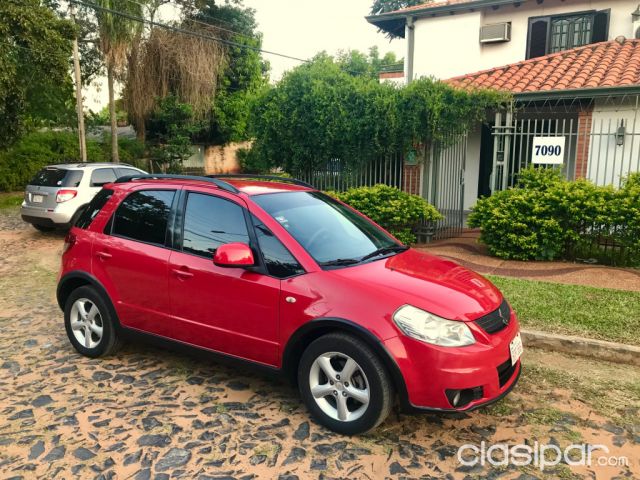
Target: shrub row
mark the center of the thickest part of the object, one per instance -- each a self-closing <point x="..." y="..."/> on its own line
<point x="35" y="150"/>
<point x="547" y="217"/>
<point x="396" y="211"/>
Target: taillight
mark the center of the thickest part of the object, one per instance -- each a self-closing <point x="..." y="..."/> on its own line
<point x="65" y="195"/>
<point x="69" y="241"/>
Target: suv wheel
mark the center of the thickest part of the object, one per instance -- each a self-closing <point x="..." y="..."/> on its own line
<point x="89" y="324"/>
<point x="42" y="228"/>
<point x="344" y="384"/>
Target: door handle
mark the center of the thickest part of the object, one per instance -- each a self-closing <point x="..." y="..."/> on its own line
<point x="103" y="255"/>
<point x="182" y="273"/>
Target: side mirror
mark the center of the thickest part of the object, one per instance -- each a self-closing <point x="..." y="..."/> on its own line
<point x="234" y="255"/>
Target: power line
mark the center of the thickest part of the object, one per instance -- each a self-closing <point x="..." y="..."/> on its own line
<point x="200" y="35"/>
<point x="202" y="15"/>
<point x="186" y="32"/>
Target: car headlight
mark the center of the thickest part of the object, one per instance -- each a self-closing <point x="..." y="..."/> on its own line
<point x="429" y="328"/>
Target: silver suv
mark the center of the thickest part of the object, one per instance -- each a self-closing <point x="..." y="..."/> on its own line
<point x="57" y="194"/>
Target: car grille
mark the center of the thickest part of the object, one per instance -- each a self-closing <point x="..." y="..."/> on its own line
<point x="505" y="372"/>
<point x="497" y="320"/>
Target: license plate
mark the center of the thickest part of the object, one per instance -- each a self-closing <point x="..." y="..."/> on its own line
<point x="515" y="347"/>
<point x="37" y="198"/>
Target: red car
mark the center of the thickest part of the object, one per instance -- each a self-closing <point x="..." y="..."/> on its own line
<point x="276" y="273"/>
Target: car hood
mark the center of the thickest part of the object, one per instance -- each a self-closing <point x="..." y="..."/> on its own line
<point x="439" y="286"/>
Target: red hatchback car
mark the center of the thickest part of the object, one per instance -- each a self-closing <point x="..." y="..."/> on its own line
<point x="279" y="274"/>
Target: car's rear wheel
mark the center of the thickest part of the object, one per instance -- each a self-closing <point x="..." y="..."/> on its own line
<point x="344" y="384"/>
<point x="42" y="228"/>
<point x="88" y="323"/>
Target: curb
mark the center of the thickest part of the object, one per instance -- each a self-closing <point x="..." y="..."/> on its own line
<point x="585" y="347"/>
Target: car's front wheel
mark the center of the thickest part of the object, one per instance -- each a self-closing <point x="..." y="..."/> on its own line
<point x="88" y="323"/>
<point x="344" y="384"/>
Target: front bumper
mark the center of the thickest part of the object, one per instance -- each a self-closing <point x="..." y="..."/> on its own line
<point x="430" y="371"/>
<point x="46" y="217"/>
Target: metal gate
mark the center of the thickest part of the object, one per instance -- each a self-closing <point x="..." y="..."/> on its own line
<point x="443" y="187"/>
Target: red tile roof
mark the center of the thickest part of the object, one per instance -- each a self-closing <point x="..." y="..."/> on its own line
<point x="608" y="64"/>
<point x="427" y="5"/>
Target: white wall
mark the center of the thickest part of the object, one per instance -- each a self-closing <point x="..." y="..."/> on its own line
<point x="609" y="162"/>
<point x="448" y="46"/>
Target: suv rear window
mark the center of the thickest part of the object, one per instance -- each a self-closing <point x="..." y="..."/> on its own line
<point x="57" y="177"/>
<point x="94" y="207"/>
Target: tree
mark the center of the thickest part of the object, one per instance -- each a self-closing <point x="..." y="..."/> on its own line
<point x="357" y="63"/>
<point x="384" y="6"/>
<point x="35" y="85"/>
<point x="319" y="113"/>
<point x="173" y="64"/>
<point x="171" y="126"/>
<point x="117" y="34"/>
<point x="245" y="72"/>
<point x="91" y="64"/>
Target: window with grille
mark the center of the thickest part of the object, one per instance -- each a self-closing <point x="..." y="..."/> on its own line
<point x="563" y="32"/>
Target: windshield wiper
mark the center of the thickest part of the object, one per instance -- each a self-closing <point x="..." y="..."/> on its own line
<point x="339" y="262"/>
<point x="383" y="250"/>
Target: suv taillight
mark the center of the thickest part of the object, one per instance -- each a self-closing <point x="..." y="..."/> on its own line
<point x="65" y="195"/>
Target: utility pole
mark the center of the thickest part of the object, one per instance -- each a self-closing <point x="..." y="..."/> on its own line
<point x="76" y="67"/>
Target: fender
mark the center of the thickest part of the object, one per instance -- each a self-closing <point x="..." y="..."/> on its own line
<point x="308" y="332"/>
<point x="77" y="278"/>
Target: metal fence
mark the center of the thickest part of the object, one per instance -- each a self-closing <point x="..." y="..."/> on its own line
<point x="603" y="149"/>
<point x="339" y="176"/>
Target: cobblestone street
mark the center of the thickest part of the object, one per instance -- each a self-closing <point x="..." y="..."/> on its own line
<point x="150" y="413"/>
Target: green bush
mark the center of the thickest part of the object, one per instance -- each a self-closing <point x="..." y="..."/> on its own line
<point x="396" y="211"/>
<point x="547" y="217"/>
<point x="35" y="150"/>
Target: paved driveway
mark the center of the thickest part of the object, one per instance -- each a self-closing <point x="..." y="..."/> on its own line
<point x="149" y="413"/>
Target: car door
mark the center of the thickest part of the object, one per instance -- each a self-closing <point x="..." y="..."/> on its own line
<point x="131" y="259"/>
<point x="230" y="310"/>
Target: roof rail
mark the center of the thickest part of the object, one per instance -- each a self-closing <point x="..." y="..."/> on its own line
<point x="219" y="183"/>
<point x="275" y="178"/>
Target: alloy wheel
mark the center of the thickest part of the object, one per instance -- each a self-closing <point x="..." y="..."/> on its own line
<point x="339" y="386"/>
<point x="86" y="323"/>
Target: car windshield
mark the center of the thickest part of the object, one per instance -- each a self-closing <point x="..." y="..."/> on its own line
<point x="333" y="234"/>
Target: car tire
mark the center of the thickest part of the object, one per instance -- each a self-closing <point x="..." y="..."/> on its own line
<point x="89" y="323"/>
<point x="327" y="390"/>
<point x="42" y="228"/>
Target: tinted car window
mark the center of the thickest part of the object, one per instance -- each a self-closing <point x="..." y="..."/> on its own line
<point x="57" y="177"/>
<point x="144" y="216"/>
<point x="210" y="222"/>
<point x="101" y="176"/>
<point x="125" y="172"/>
<point x="89" y="213"/>
<point x="279" y="261"/>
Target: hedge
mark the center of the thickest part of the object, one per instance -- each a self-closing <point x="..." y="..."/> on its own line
<point x="36" y="150"/>
<point x="547" y="217"/>
<point x="396" y="211"/>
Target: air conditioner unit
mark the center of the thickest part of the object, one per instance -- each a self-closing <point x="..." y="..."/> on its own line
<point x="496" y="32"/>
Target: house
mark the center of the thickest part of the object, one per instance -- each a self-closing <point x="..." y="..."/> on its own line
<point x="573" y="67"/>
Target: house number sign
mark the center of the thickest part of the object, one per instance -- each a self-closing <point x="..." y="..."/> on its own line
<point x="548" y="150"/>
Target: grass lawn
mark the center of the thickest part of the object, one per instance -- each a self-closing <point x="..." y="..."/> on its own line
<point x="10" y="199"/>
<point x="600" y="313"/>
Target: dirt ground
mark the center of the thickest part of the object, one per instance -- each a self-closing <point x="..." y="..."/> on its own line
<point x="147" y="413"/>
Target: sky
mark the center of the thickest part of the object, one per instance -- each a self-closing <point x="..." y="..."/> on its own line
<point x="300" y="28"/>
